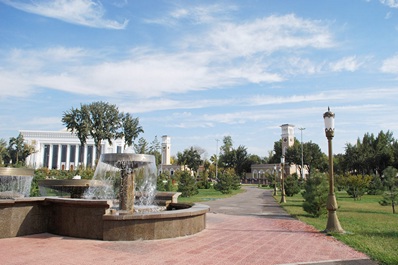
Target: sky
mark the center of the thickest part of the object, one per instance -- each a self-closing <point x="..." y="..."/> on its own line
<point x="198" y="71"/>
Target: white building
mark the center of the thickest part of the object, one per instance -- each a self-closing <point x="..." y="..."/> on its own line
<point x="166" y="165"/>
<point x="62" y="150"/>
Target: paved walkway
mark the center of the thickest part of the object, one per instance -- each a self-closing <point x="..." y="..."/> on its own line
<point x="249" y="228"/>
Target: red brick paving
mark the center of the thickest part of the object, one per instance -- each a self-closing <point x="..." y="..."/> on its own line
<point x="228" y="239"/>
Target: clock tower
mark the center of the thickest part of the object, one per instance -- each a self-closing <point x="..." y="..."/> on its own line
<point x="287" y="137"/>
<point x="166" y="150"/>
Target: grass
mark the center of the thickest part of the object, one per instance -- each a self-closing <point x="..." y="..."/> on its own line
<point x="207" y="195"/>
<point x="371" y="228"/>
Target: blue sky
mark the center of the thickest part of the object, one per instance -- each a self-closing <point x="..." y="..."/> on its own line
<point x="200" y="70"/>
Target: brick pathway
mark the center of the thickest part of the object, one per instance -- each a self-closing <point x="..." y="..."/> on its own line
<point x="260" y="233"/>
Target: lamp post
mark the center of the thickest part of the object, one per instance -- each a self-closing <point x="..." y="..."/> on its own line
<point x="333" y="224"/>
<point x="275" y="193"/>
<point x="302" y="154"/>
<point x="283" y="194"/>
<point x="217" y="159"/>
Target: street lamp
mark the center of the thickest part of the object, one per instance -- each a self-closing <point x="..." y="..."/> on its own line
<point x="217" y="159"/>
<point x="333" y="224"/>
<point x="302" y="154"/>
<point x="283" y="195"/>
<point x="275" y="193"/>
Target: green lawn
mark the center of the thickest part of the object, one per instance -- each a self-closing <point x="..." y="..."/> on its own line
<point x="207" y="195"/>
<point x="371" y="228"/>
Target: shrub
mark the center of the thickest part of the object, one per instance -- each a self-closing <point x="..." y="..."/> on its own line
<point x="227" y="182"/>
<point x="187" y="184"/>
<point x="292" y="186"/>
<point x="315" y="195"/>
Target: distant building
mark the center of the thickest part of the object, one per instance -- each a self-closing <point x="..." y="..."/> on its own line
<point x="166" y="165"/>
<point x="62" y="150"/>
<point x="260" y="171"/>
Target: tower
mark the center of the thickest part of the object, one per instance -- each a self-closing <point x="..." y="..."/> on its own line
<point x="287" y="137"/>
<point x="166" y="150"/>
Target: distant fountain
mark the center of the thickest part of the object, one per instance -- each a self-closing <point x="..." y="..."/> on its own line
<point x="130" y="178"/>
<point x="15" y="182"/>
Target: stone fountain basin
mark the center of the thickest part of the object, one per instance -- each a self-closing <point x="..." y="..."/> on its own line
<point x="76" y="187"/>
<point x="92" y="219"/>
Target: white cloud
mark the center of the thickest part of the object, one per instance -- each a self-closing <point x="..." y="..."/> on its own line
<point x="199" y="14"/>
<point x="390" y="65"/>
<point x="390" y="3"/>
<point x="88" y="13"/>
<point x="350" y="64"/>
<point x="267" y="35"/>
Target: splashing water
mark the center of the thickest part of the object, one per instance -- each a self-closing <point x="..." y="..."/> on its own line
<point x="124" y="177"/>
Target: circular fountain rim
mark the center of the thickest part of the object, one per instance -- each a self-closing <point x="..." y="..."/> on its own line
<point x="12" y="171"/>
<point x="111" y="158"/>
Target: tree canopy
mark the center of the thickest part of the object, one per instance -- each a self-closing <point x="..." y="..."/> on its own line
<point x="190" y="158"/>
<point x="103" y="122"/>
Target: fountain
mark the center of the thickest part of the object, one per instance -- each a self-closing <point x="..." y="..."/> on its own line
<point x="122" y="183"/>
<point x="15" y="182"/>
<point x="125" y="177"/>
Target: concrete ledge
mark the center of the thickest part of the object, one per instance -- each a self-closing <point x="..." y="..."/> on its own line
<point x="91" y="219"/>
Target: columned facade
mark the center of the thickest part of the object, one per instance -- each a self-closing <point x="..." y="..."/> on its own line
<point x="62" y="150"/>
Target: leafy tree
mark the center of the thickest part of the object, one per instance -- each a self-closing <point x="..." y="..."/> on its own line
<point x="277" y="153"/>
<point x="375" y="186"/>
<point x="3" y="151"/>
<point x="357" y="185"/>
<point x="186" y="184"/>
<point x="315" y="194"/>
<point x="101" y="121"/>
<point x="312" y="156"/>
<point x="131" y="129"/>
<point x="164" y="182"/>
<point x="18" y="150"/>
<point x="154" y="149"/>
<point x="227" y="181"/>
<point x="292" y="186"/>
<point x="371" y="155"/>
<point x="141" y="147"/>
<point x="190" y="158"/>
<point x="390" y="181"/>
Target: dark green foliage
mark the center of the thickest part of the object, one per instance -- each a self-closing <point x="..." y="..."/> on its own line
<point x="187" y="184"/>
<point x="16" y="152"/>
<point x="164" y="182"/>
<point x="203" y="180"/>
<point x="375" y="186"/>
<point x="292" y="186"/>
<point x="45" y="173"/>
<point x="190" y="158"/>
<point x="103" y="122"/>
<point x="357" y="185"/>
<point x="227" y="181"/>
<point x="315" y="195"/>
<point x="390" y="182"/>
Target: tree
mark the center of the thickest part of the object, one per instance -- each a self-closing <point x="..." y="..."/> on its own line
<point x="154" y="149"/>
<point x="141" y="147"/>
<point x="390" y="181"/>
<point x="131" y="129"/>
<point x="357" y="185"/>
<point x="312" y="156"/>
<point x="3" y="151"/>
<point x="18" y="150"/>
<point x="371" y="155"/>
<point x="292" y="186"/>
<point x="190" y="158"/>
<point x="102" y="121"/>
<point x="315" y="194"/>
<point x="186" y="184"/>
<point x="227" y="181"/>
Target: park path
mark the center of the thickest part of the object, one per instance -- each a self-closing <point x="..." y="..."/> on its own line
<point x="249" y="228"/>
